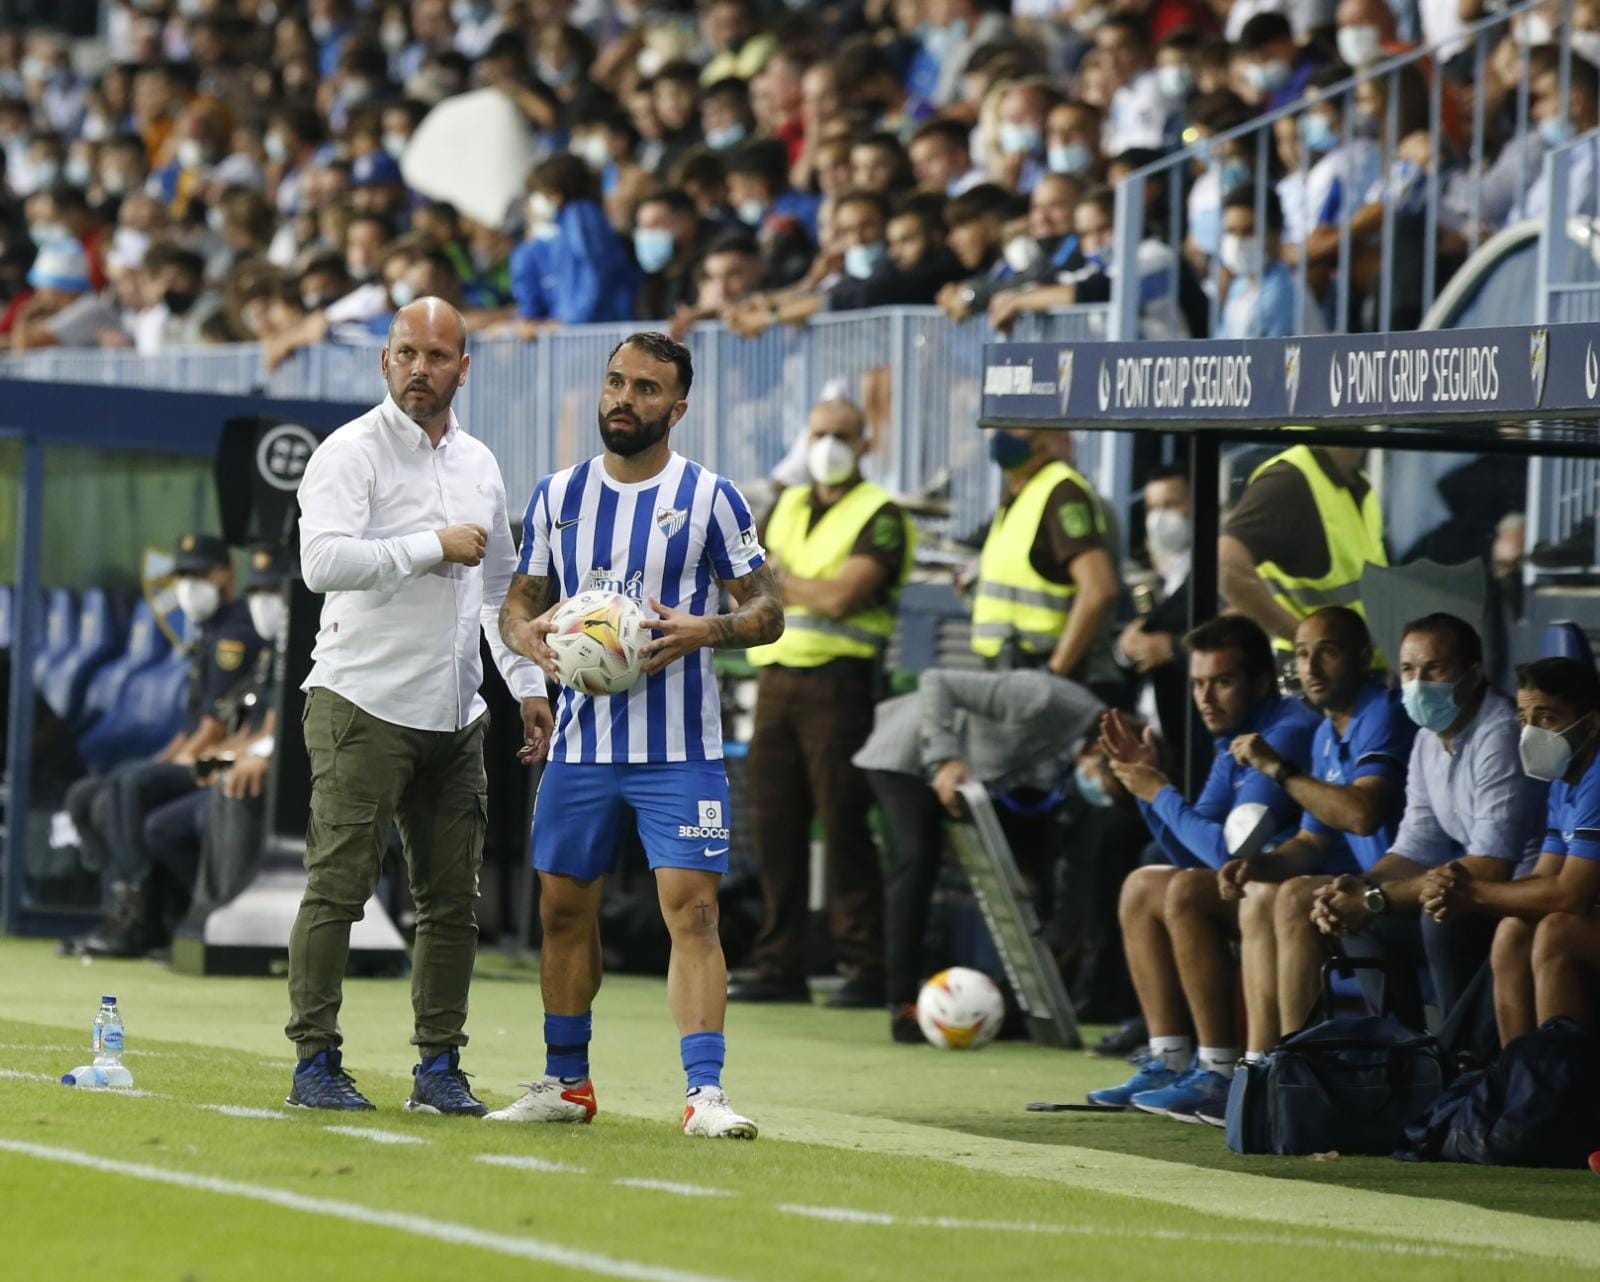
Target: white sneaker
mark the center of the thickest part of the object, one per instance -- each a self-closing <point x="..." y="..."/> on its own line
<point x="707" y="1112"/>
<point x="548" y="1100"/>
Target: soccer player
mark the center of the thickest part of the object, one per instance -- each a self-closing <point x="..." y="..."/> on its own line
<point x="641" y="520"/>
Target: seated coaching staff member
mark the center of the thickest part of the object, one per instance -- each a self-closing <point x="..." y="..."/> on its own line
<point x="403" y="525"/>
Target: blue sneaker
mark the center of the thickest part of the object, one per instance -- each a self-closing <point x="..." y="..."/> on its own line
<point x="441" y="1087"/>
<point x="321" y="1082"/>
<point x="1150" y="1076"/>
<point x="1180" y="1099"/>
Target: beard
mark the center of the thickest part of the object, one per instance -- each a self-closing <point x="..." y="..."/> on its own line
<point x="418" y="403"/>
<point x="632" y="440"/>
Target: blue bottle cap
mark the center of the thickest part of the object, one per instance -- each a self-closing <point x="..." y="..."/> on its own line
<point x="108" y="1001"/>
<point x="67" y="1079"/>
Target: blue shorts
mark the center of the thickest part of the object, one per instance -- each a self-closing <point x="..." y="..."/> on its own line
<point x="681" y="808"/>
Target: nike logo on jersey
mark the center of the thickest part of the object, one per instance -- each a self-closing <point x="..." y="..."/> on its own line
<point x="563" y="525"/>
<point x="712" y="854"/>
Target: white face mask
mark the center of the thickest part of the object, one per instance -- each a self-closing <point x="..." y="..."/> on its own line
<point x="1166" y="533"/>
<point x="541" y="210"/>
<point x="268" y="614"/>
<point x="191" y="153"/>
<point x="1241" y="255"/>
<point x="1546" y="754"/>
<point x="1175" y="79"/>
<point x="394" y="142"/>
<point x="830" y="461"/>
<point x="1587" y="43"/>
<point x="1537" y="30"/>
<point x="1021" y="252"/>
<point x="197" y="598"/>
<point x="1359" y="45"/>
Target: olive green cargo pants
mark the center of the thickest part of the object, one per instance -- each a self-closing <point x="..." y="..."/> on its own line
<point x="366" y="775"/>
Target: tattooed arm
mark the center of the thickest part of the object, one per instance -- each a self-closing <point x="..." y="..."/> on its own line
<point x="757" y="619"/>
<point x="524" y="616"/>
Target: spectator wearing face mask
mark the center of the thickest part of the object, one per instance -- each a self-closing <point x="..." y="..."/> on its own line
<point x="1583" y="114"/>
<point x="1209" y="116"/>
<point x="725" y="116"/>
<point x="957" y="30"/>
<point x="1072" y="133"/>
<point x="1340" y="174"/>
<point x="62" y="311"/>
<point x="758" y="188"/>
<point x="180" y="303"/>
<point x="573" y="268"/>
<point x="1148" y="646"/>
<point x="1259" y="301"/>
<point x="1019" y="138"/>
<point x="60" y="212"/>
<point x="669" y="238"/>
<point x="1048" y="248"/>
<point x="1140" y="109"/>
<point x="1276" y="70"/>
<point x="868" y="82"/>
<point x="976" y="223"/>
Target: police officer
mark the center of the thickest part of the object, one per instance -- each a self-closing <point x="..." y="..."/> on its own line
<point x="844" y="550"/>
<point x="109" y="813"/>
<point x="205" y="843"/>
<point x="1278" y="567"/>
<point x="1046" y="584"/>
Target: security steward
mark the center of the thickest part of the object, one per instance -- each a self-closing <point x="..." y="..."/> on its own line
<point x="1046" y="585"/>
<point x="843" y="551"/>
<point x="1277" y="565"/>
<point x="110" y="812"/>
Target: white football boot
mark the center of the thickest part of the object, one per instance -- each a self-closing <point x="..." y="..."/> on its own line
<point x="547" y="1100"/>
<point x="706" y="1112"/>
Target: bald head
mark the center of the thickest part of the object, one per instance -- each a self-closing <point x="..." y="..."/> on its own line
<point x="837" y="417"/>
<point x="425" y="362"/>
<point x="422" y="319"/>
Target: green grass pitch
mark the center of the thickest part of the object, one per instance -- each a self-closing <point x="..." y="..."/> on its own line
<point x="876" y="1161"/>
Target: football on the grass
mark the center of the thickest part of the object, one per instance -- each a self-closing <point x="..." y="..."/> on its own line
<point x="596" y="639"/>
<point x="960" y="1009"/>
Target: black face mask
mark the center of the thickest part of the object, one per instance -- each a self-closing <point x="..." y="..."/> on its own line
<point x="635" y="440"/>
<point x="178" y="301"/>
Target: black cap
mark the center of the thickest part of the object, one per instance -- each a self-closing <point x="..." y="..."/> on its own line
<point x="200" y="554"/>
<point x="266" y="569"/>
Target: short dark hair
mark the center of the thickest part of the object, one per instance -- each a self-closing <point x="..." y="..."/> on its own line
<point x="953" y="132"/>
<point x="861" y="196"/>
<point x="733" y="242"/>
<point x="1570" y="680"/>
<point x="1464" y="638"/>
<point x="984" y="200"/>
<point x="1234" y="632"/>
<point x="674" y="198"/>
<point x="565" y="175"/>
<point x="764" y="158"/>
<point x="662" y="348"/>
<point x="1244" y="197"/>
<point x="861" y="60"/>
<point x="1262" y="30"/>
<point x="1352" y="628"/>
<point x="727" y="87"/>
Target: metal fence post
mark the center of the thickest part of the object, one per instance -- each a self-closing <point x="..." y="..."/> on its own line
<point x="1126" y="236"/>
<point x="24" y="630"/>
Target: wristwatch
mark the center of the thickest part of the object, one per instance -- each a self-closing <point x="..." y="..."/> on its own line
<point x="1286" y="771"/>
<point x="1375" y="901"/>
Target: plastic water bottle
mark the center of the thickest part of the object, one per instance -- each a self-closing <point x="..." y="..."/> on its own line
<point x="107" y="1069"/>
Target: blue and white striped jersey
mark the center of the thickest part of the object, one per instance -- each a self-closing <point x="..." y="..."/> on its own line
<point x="672" y="538"/>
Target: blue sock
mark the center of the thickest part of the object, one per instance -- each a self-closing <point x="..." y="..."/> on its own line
<point x="443" y="1062"/>
<point x="703" y="1055"/>
<point x="566" y="1044"/>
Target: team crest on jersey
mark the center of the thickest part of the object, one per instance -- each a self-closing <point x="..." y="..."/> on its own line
<point x="601" y="579"/>
<point x="669" y="520"/>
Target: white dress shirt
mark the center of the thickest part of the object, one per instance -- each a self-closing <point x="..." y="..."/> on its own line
<point x="399" y="625"/>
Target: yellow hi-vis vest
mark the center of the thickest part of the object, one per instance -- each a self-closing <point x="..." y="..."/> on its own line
<point x="1013" y="601"/>
<point x="810" y="639"/>
<point x="1355" y="540"/>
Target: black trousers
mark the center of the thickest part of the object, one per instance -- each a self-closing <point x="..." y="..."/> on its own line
<point x="1453" y="951"/>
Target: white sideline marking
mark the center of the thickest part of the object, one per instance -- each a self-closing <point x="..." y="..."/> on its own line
<point x="21" y="1076"/>
<point x="882" y="1219"/>
<point x="244" y="1110"/>
<point x="669" y="1186"/>
<point x="527" y="1163"/>
<point x="374" y="1134"/>
<point x="525" y="1248"/>
<point x="134" y="1052"/>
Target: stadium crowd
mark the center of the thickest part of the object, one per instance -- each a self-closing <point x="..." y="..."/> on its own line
<point x="231" y="170"/>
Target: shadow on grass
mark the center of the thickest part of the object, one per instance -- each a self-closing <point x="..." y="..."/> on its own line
<point x="1554" y="1195"/>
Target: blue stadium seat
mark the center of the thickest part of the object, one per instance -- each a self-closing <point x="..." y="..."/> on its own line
<point x="66" y="681"/>
<point x="60" y="631"/>
<point x="1564" y="639"/>
<point x="150" y="710"/>
<point x="100" y="746"/>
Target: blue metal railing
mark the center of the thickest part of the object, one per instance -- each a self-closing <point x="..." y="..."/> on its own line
<point x="1464" y="201"/>
<point x="918" y="375"/>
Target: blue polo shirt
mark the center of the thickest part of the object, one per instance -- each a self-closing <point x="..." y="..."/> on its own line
<point x="1192" y="836"/>
<point x="1376" y="741"/>
<point x="1575" y="816"/>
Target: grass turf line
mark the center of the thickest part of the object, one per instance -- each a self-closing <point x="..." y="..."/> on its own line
<point x="919" y="1104"/>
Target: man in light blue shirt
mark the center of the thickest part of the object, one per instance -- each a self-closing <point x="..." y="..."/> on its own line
<point x="1176" y="925"/>
<point x="1583" y="116"/>
<point x="1260" y="301"/>
<point x="1467" y="800"/>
